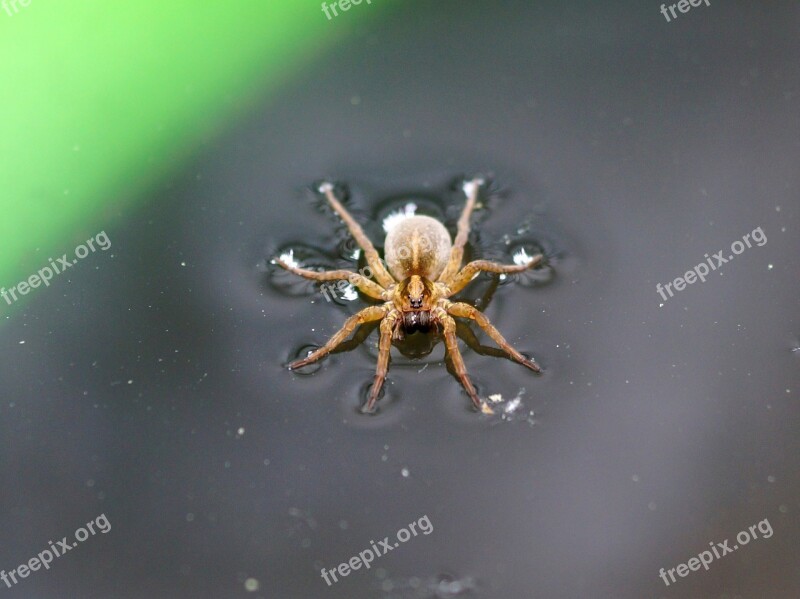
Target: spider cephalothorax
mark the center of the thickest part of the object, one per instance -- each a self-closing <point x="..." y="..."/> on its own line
<point x="424" y="270"/>
<point x="412" y="298"/>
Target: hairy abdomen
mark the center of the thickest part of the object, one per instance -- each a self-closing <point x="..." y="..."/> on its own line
<point x="417" y="245"/>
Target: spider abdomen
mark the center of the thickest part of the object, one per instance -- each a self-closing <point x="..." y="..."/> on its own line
<point x="417" y="245"/>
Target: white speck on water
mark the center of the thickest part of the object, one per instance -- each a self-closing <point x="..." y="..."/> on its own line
<point x="471" y="187"/>
<point x="391" y="220"/>
<point x="521" y="257"/>
<point x="349" y="293"/>
<point x="240" y="432"/>
<point x="288" y="258"/>
<point x="783" y="509"/>
<point x="22" y="342"/>
<point x="635" y="478"/>
<point x="770" y="479"/>
<point x="183" y="263"/>
<point x="405" y="472"/>
<point x="512" y="406"/>
<point x="769" y="266"/>
<point x="190" y="517"/>
<point x="496" y="397"/>
<point x="251" y="585"/>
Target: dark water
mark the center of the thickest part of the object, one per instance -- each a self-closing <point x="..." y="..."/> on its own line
<point x="151" y="384"/>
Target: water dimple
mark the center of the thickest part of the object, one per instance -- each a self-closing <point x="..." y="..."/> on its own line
<point x="349" y="250"/>
<point x="387" y="402"/>
<point x="302" y="256"/>
<point x="365" y="393"/>
<point x="541" y="274"/>
<point x="303" y="352"/>
<point x="389" y="410"/>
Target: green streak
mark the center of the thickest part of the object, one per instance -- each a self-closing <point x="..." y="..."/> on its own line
<point x="101" y="100"/>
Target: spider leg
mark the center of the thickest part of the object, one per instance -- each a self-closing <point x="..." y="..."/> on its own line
<point x="385" y="344"/>
<point x="370" y="253"/>
<point x="450" y="341"/>
<point x="367" y="286"/>
<point x="466" y="311"/>
<point x="457" y="251"/>
<point x="467" y="335"/>
<point x="369" y="314"/>
<point x="462" y="279"/>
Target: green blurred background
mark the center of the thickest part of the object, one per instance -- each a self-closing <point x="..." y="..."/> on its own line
<point x="99" y="101"/>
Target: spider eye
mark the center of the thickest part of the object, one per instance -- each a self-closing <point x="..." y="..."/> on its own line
<point x="416" y="303"/>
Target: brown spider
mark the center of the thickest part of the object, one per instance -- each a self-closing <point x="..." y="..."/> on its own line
<point x="424" y="270"/>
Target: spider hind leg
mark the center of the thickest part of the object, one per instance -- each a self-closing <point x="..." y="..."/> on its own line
<point x="384" y="347"/>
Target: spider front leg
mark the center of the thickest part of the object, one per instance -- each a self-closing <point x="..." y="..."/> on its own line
<point x="466" y="311"/>
<point x="370" y="314"/>
<point x="451" y="343"/>
<point x="457" y="252"/>
<point x="364" y="284"/>
<point x="370" y="253"/>
<point x="384" y="347"/>
<point x="467" y="273"/>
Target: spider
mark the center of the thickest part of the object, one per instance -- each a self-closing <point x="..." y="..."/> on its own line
<point x="424" y="271"/>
